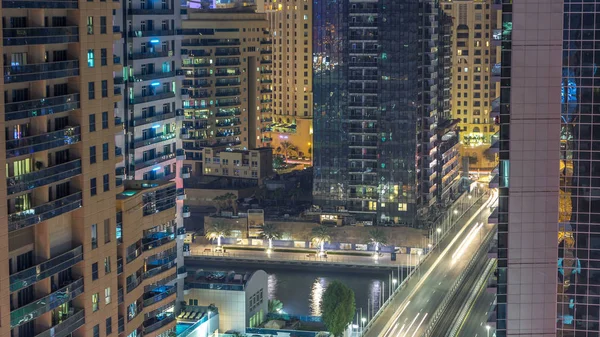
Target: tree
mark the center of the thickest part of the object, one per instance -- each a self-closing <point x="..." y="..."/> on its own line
<point x="287" y="148"/>
<point x="278" y="162"/>
<point x="260" y="194"/>
<point x="219" y="202"/>
<point x="270" y="232"/>
<point x="275" y="307"/>
<point x="231" y="200"/>
<point x="338" y="307"/>
<point x="320" y="235"/>
<point x="218" y="230"/>
<point x="377" y="237"/>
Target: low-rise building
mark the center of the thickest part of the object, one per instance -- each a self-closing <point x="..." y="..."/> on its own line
<point x="242" y="298"/>
<point x="240" y="164"/>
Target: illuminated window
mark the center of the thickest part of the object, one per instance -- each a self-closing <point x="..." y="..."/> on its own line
<point x="95" y="302"/>
<point x="402" y="206"/>
<point x="90" y="58"/>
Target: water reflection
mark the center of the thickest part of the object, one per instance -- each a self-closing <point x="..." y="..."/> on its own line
<point x="302" y="292"/>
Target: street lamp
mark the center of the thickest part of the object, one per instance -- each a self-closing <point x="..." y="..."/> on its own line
<point x="438" y="230"/>
<point x="487" y="328"/>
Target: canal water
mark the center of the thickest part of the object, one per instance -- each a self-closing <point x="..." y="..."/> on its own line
<point x="301" y="291"/>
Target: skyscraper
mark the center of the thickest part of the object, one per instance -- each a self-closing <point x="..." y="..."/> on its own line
<point x="385" y="149"/>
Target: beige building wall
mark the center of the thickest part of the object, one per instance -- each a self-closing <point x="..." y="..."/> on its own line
<point x="290" y="26"/>
<point x="472" y="88"/>
<point x="59" y="195"/>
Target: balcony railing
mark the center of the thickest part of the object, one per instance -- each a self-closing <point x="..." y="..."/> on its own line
<point x="160" y="138"/>
<point x="29" y="276"/>
<point x="151" y="243"/>
<point x="40" y="71"/>
<point x="157" y="118"/>
<point x="33" y="310"/>
<point x="155" y="271"/>
<point x="158" y="324"/>
<point x="148" y="55"/>
<point x="153" y="76"/>
<point x="150" y="11"/>
<point x="67" y="326"/>
<point x="43" y="212"/>
<point x="43" y="177"/>
<point x="40" y="35"/>
<point x="159" y="296"/>
<point x="146" y="33"/>
<point x="37" y="4"/>
<point x="47" y="141"/>
<point x="41" y="107"/>
<point x="159" y="159"/>
<point x="151" y="98"/>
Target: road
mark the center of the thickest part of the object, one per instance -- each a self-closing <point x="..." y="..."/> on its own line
<point x="402" y="260"/>
<point x="476" y="320"/>
<point x="410" y="311"/>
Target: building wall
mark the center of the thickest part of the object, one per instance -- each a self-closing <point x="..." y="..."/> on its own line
<point x="231" y="304"/>
<point x="291" y="31"/>
<point x="257" y="299"/>
<point x="530" y="115"/>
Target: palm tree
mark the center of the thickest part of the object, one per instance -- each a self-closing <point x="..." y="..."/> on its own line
<point x="218" y="230"/>
<point x="320" y="235"/>
<point x="219" y="202"/>
<point x="231" y="200"/>
<point x="270" y="232"/>
<point x="378" y="237"/>
<point x="286" y="148"/>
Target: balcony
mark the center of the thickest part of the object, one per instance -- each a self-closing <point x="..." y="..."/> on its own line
<point x="66" y="326"/>
<point x="157" y="118"/>
<point x="33" y="310"/>
<point x="41" y="71"/>
<point x="156" y="240"/>
<point x="44" y="212"/>
<point x="150" y="33"/>
<point x="41" y="107"/>
<point x="162" y="268"/>
<point x="36" y="4"/>
<point x="180" y="154"/>
<point x="43" y="177"/>
<point x="186" y="172"/>
<point x="224" y="93"/>
<point x="150" y="11"/>
<point x="150" y="162"/>
<point x="160" y="138"/>
<point x="51" y="140"/>
<point x="153" y="76"/>
<point x="182" y="272"/>
<point x="43" y="270"/>
<point x="185" y="212"/>
<point x="157" y="295"/>
<point x="154" y="324"/>
<point x="40" y="35"/>
<point x="152" y="98"/>
<point x="150" y="55"/>
<point x="181" y="233"/>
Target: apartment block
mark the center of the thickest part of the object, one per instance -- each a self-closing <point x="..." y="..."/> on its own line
<point x="291" y="33"/>
<point x="256" y="165"/>
<point x="227" y="86"/>
<point x="147" y="264"/>
<point x="475" y="65"/>
<point x="58" y="246"/>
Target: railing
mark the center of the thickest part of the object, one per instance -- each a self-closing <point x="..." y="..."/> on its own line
<point x="159" y="324"/>
<point x="68" y="325"/>
<point x="151" y="98"/>
<point x="160" y="138"/>
<point x="40" y="35"/>
<point x="158" y="270"/>
<point x="147" y="55"/>
<point x="40" y="107"/>
<point x="158" y="242"/>
<point x="153" y="76"/>
<point x="54" y="4"/>
<point x="40" y="71"/>
<point x="45" y="269"/>
<point x="146" y="33"/>
<point x="156" y="118"/>
<point x="44" y="212"/>
<point x="133" y="255"/>
<point x="159" y="159"/>
<point x="160" y="296"/>
<point x="134" y="284"/>
<point x="46" y="141"/>
<point x="33" y="310"/>
<point x="43" y="177"/>
<point x="150" y="11"/>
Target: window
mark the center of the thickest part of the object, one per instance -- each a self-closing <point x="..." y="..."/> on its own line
<point x="106" y="182"/>
<point x="107" y="231"/>
<point x="90" y="58"/>
<point x="96" y="330"/>
<point x="103" y="57"/>
<point x="105" y="120"/>
<point x="104" y="88"/>
<point x="94" y="271"/>
<point x="95" y="302"/>
<point x="107" y="295"/>
<point x="92" y="118"/>
<point x="92" y="155"/>
<point x="91" y="94"/>
<point x="105" y="151"/>
<point x="108" y="320"/>
<point x="107" y="265"/>
<point x="90" y="25"/>
<point x="94" y="236"/>
<point x="103" y="25"/>
<point x="93" y="190"/>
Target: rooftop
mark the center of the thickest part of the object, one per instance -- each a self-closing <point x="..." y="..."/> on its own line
<point x="132" y="187"/>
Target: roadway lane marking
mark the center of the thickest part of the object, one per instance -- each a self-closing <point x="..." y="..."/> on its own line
<point x="402" y="328"/>
<point x="406" y="306"/>
<point x="411" y="324"/>
<point x="396" y="316"/>
<point x="419" y="326"/>
<point x="395" y="327"/>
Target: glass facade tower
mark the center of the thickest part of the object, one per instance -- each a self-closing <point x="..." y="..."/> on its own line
<point x="377" y="126"/>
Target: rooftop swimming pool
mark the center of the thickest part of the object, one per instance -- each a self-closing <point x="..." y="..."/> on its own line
<point x="181" y="327"/>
